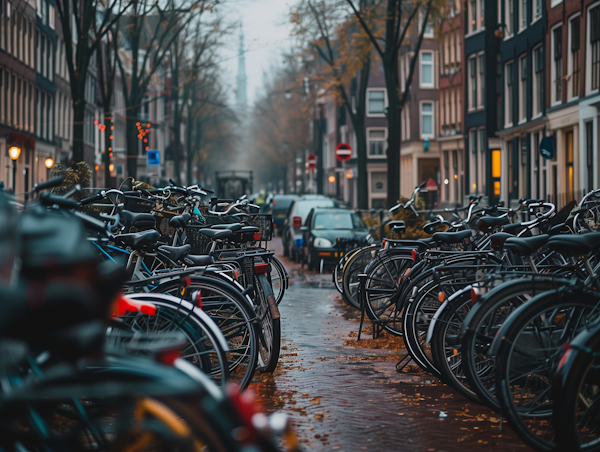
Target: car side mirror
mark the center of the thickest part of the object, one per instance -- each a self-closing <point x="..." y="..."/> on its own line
<point x="303" y="228"/>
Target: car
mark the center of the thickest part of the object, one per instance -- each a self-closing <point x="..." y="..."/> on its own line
<point x="279" y="206"/>
<point x="292" y="236"/>
<point x="327" y="232"/>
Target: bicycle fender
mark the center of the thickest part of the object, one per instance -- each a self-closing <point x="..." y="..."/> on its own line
<point x="437" y="314"/>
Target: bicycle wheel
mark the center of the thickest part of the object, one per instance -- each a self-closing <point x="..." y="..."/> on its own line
<point x="204" y="347"/>
<point x="576" y="394"/>
<point x="446" y="349"/>
<point x="480" y="327"/>
<point x="267" y="314"/>
<point x="338" y="271"/>
<point x="354" y="266"/>
<point x="383" y="289"/>
<point x="278" y="278"/>
<point x="234" y="316"/>
<point x="527" y="355"/>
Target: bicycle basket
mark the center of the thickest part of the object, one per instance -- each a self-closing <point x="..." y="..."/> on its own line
<point x="264" y="222"/>
<point x="200" y="243"/>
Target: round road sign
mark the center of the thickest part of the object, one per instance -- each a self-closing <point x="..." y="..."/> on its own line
<point x="312" y="161"/>
<point x="343" y="152"/>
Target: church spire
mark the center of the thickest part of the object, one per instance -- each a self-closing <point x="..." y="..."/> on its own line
<point x="242" y="100"/>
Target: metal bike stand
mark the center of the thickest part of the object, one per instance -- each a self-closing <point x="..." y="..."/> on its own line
<point x="361" y="299"/>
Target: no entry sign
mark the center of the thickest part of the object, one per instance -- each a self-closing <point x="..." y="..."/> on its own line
<point x="312" y="161"/>
<point x="343" y="152"/>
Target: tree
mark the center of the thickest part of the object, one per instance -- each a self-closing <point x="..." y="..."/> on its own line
<point x="148" y="32"/>
<point x="346" y="50"/>
<point x="84" y="24"/>
<point x="387" y="36"/>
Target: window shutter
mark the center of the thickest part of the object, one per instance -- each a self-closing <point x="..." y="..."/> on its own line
<point x="575" y="36"/>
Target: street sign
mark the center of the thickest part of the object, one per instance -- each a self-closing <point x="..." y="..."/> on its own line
<point x="431" y="185"/>
<point x="547" y="148"/>
<point x="312" y="161"/>
<point x="343" y="152"/>
<point x="153" y="157"/>
<point x="426" y="145"/>
<point x="153" y="163"/>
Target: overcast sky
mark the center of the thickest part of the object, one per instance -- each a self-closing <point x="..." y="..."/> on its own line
<point x="267" y="33"/>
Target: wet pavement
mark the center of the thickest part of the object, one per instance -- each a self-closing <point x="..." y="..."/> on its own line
<point x="348" y="396"/>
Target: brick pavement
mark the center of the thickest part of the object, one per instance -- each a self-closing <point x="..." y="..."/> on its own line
<point x="347" y="398"/>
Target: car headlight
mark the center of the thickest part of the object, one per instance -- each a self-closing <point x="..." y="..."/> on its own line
<point x="369" y="238"/>
<point x="322" y="243"/>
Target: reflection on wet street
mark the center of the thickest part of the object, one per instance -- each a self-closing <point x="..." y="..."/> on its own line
<point x="348" y="396"/>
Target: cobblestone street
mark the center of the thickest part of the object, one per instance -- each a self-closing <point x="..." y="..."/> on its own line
<point x="344" y="396"/>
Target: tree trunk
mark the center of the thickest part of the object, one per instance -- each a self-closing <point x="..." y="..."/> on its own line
<point x="132" y="142"/>
<point x="361" y="135"/>
<point x="394" y="137"/>
<point x="189" y="153"/>
<point x="78" y="128"/>
<point x="176" y="116"/>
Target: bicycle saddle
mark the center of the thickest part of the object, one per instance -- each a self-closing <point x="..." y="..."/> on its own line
<point x="138" y="240"/>
<point x="513" y="229"/>
<point x="499" y="238"/>
<point x="525" y="246"/>
<point x="394" y="224"/>
<point x="216" y="234"/>
<point x="450" y="238"/>
<point x="248" y="229"/>
<point x="574" y="245"/>
<point x="233" y="227"/>
<point x="180" y="221"/>
<point x="138" y="220"/>
<point x="198" y="260"/>
<point x="486" y="224"/>
<point x="175" y="252"/>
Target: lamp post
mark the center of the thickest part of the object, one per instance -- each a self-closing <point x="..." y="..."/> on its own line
<point x="14" y="153"/>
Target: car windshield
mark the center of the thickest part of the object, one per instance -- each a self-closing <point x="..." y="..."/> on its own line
<point x="337" y="220"/>
<point x="281" y="203"/>
<point x="304" y="207"/>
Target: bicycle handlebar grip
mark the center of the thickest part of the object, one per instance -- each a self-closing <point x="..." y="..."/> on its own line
<point x="50" y="183"/>
<point x="48" y="199"/>
<point x="91" y="199"/>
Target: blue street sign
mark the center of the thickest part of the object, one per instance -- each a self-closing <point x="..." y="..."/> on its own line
<point x="426" y="145"/>
<point x="153" y="157"/>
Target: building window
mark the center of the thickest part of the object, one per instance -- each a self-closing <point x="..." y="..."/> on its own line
<point x="376" y="102"/>
<point x="376" y="143"/>
<point x="575" y="44"/>
<point x="427" y="69"/>
<point x="557" y="67"/>
<point x="523" y="89"/>
<point x="426" y="119"/>
<point x="537" y="12"/>
<point x="473" y="7"/>
<point x="481" y="72"/>
<point x="522" y="14"/>
<point x="428" y="28"/>
<point x="538" y="80"/>
<point x="473" y="82"/>
<point x="589" y="145"/>
<point x="508" y="103"/>
<point x="595" y="46"/>
<point x="509" y="16"/>
<point x="51" y="16"/>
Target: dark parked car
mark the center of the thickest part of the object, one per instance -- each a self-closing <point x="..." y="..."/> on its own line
<point x="279" y="206"/>
<point x="328" y="232"/>
<point x="292" y="236"/>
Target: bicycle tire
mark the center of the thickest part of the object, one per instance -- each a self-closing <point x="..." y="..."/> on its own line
<point x="270" y="335"/>
<point x="546" y="310"/>
<point x="354" y="266"/>
<point x="280" y="283"/>
<point x="234" y="316"/>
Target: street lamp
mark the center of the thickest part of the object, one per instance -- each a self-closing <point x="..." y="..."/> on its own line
<point x="14" y="153"/>
<point x="49" y="162"/>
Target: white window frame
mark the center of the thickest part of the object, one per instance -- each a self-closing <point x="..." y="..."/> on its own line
<point x="385" y="137"/>
<point x="522" y="94"/>
<point x="432" y="103"/>
<point x="552" y="88"/>
<point x="523" y="9"/>
<point x="480" y="81"/>
<point x="51" y="16"/>
<point x="509" y="23"/>
<point x="588" y="51"/>
<point x="376" y="115"/>
<point x="554" y="3"/>
<point x="479" y="18"/>
<point x="534" y="87"/>
<point x="508" y="124"/>
<point x="570" y="58"/>
<point x="472" y="107"/>
<point x="429" y="33"/>
<point x="423" y="84"/>
<point x="536" y="12"/>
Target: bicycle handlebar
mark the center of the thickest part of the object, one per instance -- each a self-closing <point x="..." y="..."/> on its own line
<point x="50" y="183"/>
<point x="49" y="199"/>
